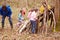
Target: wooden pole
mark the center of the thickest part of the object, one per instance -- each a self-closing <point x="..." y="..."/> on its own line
<point x="45" y="15"/>
<point x="54" y="21"/>
<point x="27" y="4"/>
<point x="57" y="10"/>
<point x="45" y="23"/>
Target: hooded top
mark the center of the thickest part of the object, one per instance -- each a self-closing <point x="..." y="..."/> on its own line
<point x="6" y="12"/>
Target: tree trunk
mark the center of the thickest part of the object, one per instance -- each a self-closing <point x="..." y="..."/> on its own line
<point x="57" y="3"/>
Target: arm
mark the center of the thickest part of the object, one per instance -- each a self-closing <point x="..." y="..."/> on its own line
<point x="9" y="12"/>
<point x="0" y="10"/>
<point x="19" y="16"/>
<point x="29" y="15"/>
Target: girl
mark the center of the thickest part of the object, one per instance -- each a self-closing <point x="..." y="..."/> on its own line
<point x="32" y="15"/>
<point x="20" y="18"/>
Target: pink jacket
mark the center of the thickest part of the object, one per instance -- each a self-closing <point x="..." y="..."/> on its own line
<point x="32" y="16"/>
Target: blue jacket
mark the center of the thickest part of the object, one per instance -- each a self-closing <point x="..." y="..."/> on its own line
<point x="7" y="12"/>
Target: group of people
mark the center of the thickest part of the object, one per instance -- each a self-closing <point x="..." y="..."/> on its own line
<point x="5" y="11"/>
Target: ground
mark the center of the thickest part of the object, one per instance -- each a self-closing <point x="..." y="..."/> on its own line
<point x="8" y="34"/>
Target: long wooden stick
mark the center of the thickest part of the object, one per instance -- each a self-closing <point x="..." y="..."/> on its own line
<point x="45" y="15"/>
<point x="27" y="4"/>
<point x="45" y="23"/>
<point x="54" y="21"/>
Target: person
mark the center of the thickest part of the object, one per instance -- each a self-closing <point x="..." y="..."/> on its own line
<point x="32" y="16"/>
<point x="23" y="11"/>
<point x="44" y="7"/>
<point x="5" y="11"/>
<point x="20" y="18"/>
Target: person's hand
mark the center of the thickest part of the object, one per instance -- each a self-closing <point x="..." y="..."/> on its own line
<point x="8" y="17"/>
<point x="0" y="16"/>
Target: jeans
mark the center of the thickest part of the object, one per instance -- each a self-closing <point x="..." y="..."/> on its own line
<point x="33" y="26"/>
<point x="10" y="21"/>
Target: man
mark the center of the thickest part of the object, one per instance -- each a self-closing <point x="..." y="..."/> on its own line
<point x="5" y="11"/>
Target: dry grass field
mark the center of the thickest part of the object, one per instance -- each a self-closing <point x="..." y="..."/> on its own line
<point x="8" y="34"/>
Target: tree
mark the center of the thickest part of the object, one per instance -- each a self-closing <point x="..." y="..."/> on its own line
<point x="57" y="3"/>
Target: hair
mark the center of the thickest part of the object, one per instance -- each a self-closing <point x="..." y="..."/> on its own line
<point x="4" y="7"/>
<point x="36" y="10"/>
<point x="20" y="11"/>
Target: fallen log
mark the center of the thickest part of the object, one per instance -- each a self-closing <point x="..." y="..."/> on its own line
<point x="24" y="26"/>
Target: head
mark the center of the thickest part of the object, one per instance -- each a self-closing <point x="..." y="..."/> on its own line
<point x="44" y="4"/>
<point x="52" y="8"/>
<point x="24" y="9"/>
<point x="31" y="10"/>
<point x="4" y="6"/>
<point x="36" y="10"/>
<point x="20" y="11"/>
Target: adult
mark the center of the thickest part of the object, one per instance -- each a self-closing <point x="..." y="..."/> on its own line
<point x="5" y="11"/>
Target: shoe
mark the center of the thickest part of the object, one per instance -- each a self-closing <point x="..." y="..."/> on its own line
<point x="2" y="27"/>
<point x="11" y="27"/>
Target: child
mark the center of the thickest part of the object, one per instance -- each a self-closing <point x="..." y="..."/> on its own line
<point x="20" y="18"/>
<point x="32" y="15"/>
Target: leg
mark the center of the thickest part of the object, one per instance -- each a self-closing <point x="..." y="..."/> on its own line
<point x="3" y="19"/>
<point x="51" y="17"/>
<point x="10" y="21"/>
<point x="33" y="27"/>
<point x="41" y="22"/>
<point x="18" y="24"/>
